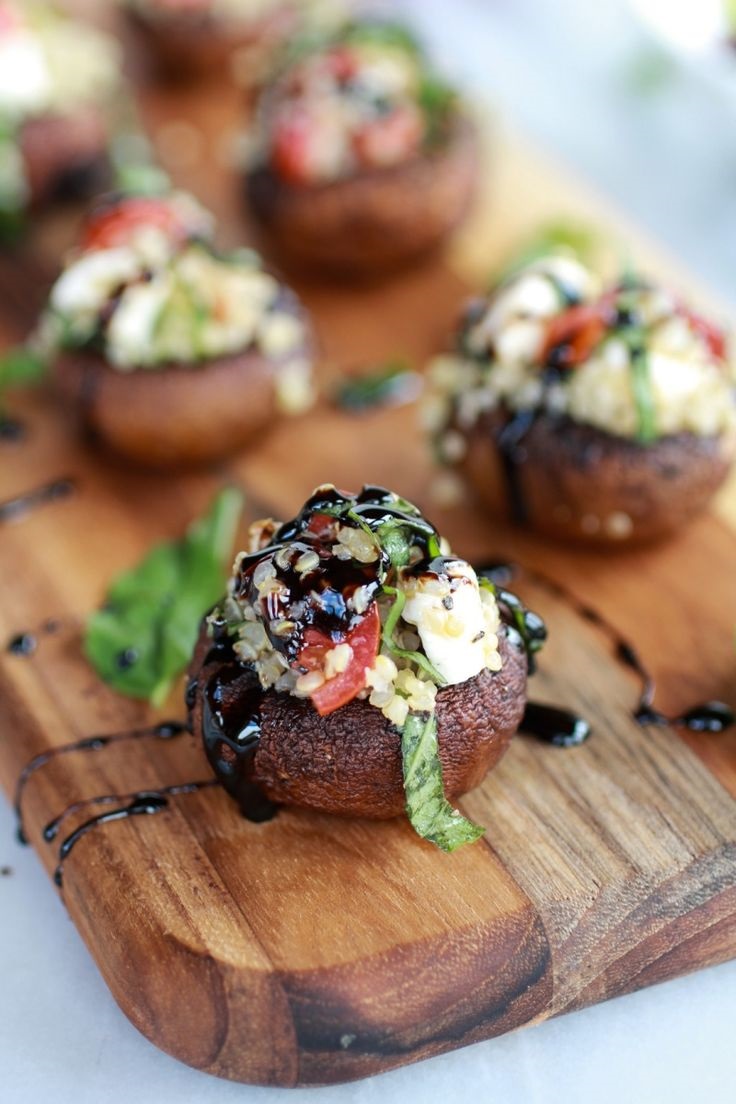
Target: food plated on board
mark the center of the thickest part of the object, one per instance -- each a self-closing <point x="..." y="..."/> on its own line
<point x="169" y="351"/>
<point x="364" y="158"/>
<point x="357" y="667"/>
<point x="598" y="413"/>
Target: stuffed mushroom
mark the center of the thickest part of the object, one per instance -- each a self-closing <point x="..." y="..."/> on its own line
<point x="171" y="352"/>
<point x="55" y="78"/>
<point x="364" y="158"/>
<point x="606" y="414"/>
<point x="357" y="667"/>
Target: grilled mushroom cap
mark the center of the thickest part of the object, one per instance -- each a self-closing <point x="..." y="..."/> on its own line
<point x="176" y="415"/>
<point x="576" y="482"/>
<point x="375" y="221"/>
<point x="349" y="763"/>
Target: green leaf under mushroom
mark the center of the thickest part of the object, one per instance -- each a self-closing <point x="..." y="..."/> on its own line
<point x="143" y="637"/>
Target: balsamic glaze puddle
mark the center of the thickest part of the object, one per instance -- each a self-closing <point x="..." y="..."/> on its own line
<point x="13" y="509"/>
<point x="712" y="716"/>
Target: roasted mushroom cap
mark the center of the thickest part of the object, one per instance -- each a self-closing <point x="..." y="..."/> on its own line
<point x="573" y="481"/>
<point x="372" y="222"/>
<point x="198" y="43"/>
<point x="176" y="415"/>
<point x="65" y="156"/>
<point x="349" y="763"/>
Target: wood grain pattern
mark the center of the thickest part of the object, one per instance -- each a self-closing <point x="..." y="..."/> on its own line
<point x="309" y="949"/>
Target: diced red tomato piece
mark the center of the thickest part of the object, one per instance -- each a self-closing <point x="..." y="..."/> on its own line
<point x="391" y="138"/>
<point x="342" y="63"/>
<point x="322" y="525"/>
<point x="364" y="641"/>
<point x="292" y="146"/>
<point x="113" y="226"/>
<point x="712" y="335"/>
<point x="579" y="329"/>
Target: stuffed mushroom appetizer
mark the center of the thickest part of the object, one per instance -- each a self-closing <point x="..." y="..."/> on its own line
<point x="197" y="37"/>
<point x="356" y="667"/>
<point x="55" y="77"/>
<point x="171" y="352"/>
<point x="601" y="413"/>
<point x="364" y="159"/>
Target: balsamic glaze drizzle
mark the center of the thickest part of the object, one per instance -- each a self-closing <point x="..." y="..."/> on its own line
<point x="231" y="730"/>
<point x="167" y="730"/>
<point x="26" y="643"/>
<point x="13" y="509"/>
<point x="22" y="644"/>
<point x="712" y="716"/>
<point x="143" y="803"/>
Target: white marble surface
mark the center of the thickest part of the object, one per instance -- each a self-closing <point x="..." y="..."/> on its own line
<point x="562" y="69"/>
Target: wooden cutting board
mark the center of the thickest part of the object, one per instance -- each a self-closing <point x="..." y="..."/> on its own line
<point x="309" y="949"/>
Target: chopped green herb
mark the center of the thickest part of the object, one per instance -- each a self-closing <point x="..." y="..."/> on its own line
<point x="392" y="384"/>
<point x="563" y="236"/>
<point x="133" y="164"/>
<point x="529" y="625"/>
<point x="153" y="612"/>
<point x="642" y="386"/>
<point x="429" y="811"/>
<point x="388" y="637"/>
<point x="382" y="33"/>
<point x="21" y="367"/>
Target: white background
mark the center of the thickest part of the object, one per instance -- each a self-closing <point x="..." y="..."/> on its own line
<point x="577" y="76"/>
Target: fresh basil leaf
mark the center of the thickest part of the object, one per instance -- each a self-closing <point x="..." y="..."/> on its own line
<point x="429" y="811"/>
<point x="21" y="366"/>
<point x="387" y="636"/>
<point x="391" y="384"/>
<point x="143" y="637"/>
<point x="382" y="33"/>
<point x="563" y="236"/>
<point x="642" y="387"/>
<point x="395" y="540"/>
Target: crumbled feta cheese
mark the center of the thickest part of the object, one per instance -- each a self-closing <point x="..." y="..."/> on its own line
<point x="453" y="638"/>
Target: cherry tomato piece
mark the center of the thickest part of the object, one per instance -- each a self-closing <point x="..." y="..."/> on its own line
<point x="364" y="641"/>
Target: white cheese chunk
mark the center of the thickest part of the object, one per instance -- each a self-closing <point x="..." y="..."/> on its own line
<point x="452" y="622"/>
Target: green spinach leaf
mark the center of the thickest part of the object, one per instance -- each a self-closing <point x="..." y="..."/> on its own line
<point x="143" y="637"/>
